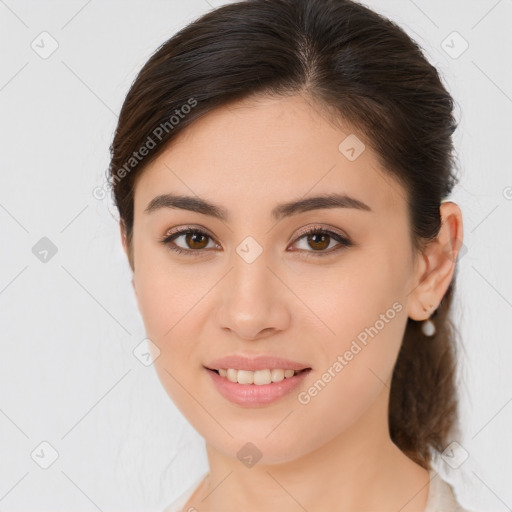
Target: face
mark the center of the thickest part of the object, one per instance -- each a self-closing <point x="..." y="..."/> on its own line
<point x="256" y="283"/>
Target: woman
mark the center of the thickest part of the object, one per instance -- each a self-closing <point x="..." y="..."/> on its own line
<point x="281" y="170"/>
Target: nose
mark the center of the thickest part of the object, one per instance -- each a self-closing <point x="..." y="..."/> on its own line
<point x="252" y="302"/>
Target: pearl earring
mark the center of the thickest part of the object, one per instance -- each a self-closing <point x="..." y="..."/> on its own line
<point x="428" y="327"/>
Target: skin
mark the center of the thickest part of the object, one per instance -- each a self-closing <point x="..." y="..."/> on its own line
<point x="247" y="158"/>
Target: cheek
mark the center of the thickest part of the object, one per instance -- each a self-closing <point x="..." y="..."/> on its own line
<point x="167" y="294"/>
<point x="364" y="308"/>
<point x="356" y="376"/>
<point x="169" y="300"/>
<point x="158" y="303"/>
<point x="362" y="294"/>
<point x="164" y="308"/>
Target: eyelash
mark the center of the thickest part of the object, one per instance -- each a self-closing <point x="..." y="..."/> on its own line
<point x="343" y="241"/>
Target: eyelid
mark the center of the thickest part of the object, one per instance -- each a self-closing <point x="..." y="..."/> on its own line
<point x="317" y="227"/>
<point x="340" y="237"/>
<point x="184" y="229"/>
<point x="343" y="241"/>
<point x="170" y="235"/>
<point x="303" y="231"/>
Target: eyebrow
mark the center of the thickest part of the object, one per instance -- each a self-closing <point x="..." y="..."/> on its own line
<point x="196" y="204"/>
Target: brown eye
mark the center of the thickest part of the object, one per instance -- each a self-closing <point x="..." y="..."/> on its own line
<point x="194" y="241"/>
<point x="318" y="241"/>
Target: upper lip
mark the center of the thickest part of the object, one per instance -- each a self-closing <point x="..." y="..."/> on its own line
<point x="253" y="363"/>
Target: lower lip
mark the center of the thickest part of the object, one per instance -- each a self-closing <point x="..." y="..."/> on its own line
<point x="252" y="395"/>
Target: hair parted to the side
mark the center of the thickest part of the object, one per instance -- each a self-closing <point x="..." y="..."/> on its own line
<point x="363" y="70"/>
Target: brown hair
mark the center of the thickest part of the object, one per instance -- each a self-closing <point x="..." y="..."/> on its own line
<point x="365" y="71"/>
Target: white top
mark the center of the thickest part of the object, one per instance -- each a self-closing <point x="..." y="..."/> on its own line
<point x="440" y="496"/>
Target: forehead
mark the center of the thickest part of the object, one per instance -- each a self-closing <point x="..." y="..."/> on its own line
<point x="259" y="151"/>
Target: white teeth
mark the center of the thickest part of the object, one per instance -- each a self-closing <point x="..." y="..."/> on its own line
<point x="277" y="375"/>
<point x="232" y="375"/>
<point x="245" y="377"/>
<point x="259" y="377"/>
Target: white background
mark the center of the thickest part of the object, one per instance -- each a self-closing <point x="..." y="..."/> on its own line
<point x="68" y="326"/>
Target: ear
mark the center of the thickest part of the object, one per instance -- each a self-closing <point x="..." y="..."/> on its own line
<point x="436" y="264"/>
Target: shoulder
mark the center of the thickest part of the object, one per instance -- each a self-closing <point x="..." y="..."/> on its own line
<point x="178" y="504"/>
<point x="441" y="497"/>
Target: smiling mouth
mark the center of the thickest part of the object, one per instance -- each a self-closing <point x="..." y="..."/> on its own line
<point x="258" y="377"/>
